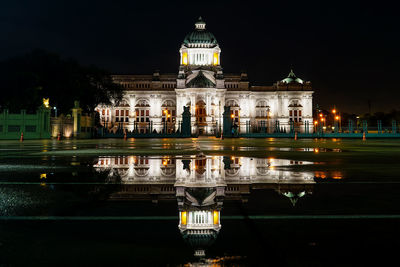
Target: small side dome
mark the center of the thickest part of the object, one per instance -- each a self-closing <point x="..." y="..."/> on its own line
<point x="291" y="78"/>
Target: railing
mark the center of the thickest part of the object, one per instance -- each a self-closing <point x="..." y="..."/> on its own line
<point x="303" y="130"/>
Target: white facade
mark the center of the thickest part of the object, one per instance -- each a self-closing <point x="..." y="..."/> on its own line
<point x="201" y="84"/>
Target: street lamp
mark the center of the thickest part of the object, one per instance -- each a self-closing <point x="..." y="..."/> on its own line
<point x="55" y="111"/>
<point x="165" y="120"/>
<point x="168" y="116"/>
<point x="232" y="116"/>
<point x="340" y="122"/>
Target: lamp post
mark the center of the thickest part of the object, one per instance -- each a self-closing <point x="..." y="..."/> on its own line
<point x="357" y="122"/>
<point x="232" y="116"/>
<point x="55" y="111"/>
<point x="266" y="130"/>
<point x="337" y="118"/>
<point x="168" y="116"/>
<point x="165" y="120"/>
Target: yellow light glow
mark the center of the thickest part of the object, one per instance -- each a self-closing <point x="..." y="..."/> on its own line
<point x="315" y="122"/>
<point x="184" y="58"/>
<point x="334" y="111"/>
<point x="337" y="117"/>
<point x="183" y="218"/>
<point x="337" y="175"/>
<point x="216" y="59"/>
<point x="46" y="102"/>
<point x="43" y="175"/>
<point x="320" y="115"/>
<point x="232" y="116"/>
<point x="216" y="217"/>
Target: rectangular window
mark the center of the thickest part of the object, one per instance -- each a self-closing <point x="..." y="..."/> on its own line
<point x="122" y="113"/>
<point x="108" y="112"/>
<point x="117" y="112"/>
<point x="236" y="112"/>
<point x="126" y="112"/>
<point x="290" y="113"/>
<point x="295" y="112"/>
<point x="147" y="112"/>
<point x="299" y="112"/>
<point x="142" y="113"/>
<point x="103" y="112"/>
<point x="137" y="113"/>
<point x="14" y="128"/>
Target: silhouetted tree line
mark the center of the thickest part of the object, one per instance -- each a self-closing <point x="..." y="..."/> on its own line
<point x="372" y="119"/>
<point x="25" y="80"/>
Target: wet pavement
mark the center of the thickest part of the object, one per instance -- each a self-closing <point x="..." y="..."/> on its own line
<point x="204" y="202"/>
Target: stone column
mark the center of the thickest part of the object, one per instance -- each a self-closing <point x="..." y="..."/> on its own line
<point x="132" y="113"/>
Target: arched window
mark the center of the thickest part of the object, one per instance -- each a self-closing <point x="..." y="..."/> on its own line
<point x="295" y="110"/>
<point x="200" y="112"/>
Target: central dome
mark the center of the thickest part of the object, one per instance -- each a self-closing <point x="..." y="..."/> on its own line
<point x="200" y="36"/>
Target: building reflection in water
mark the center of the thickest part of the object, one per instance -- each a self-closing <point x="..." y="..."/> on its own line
<point x="201" y="184"/>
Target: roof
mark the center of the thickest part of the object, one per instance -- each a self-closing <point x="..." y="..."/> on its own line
<point x="200" y="35"/>
<point x="200" y="81"/>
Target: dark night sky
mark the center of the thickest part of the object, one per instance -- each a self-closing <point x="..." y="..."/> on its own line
<point x="349" y="50"/>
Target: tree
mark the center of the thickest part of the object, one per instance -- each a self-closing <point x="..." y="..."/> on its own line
<point x="26" y="80"/>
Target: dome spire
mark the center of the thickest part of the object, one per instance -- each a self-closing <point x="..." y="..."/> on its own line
<point x="291" y="74"/>
<point x="200" y="24"/>
<point x="292" y="78"/>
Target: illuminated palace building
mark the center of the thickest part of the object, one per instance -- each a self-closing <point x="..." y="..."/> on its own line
<point x="200" y="84"/>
